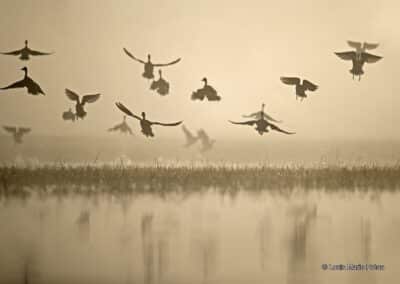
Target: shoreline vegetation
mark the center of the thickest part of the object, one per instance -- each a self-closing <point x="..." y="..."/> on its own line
<point x="194" y="177"/>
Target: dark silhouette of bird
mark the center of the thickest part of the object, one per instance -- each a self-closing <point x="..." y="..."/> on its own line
<point x="190" y="138"/>
<point x="161" y="86"/>
<point x="123" y="127"/>
<point x="361" y="47"/>
<point x="206" y="143"/>
<point x="206" y="92"/>
<point x="79" y="107"/>
<point x="301" y="87"/>
<point x="146" y="125"/>
<point x="358" y="61"/>
<point x="149" y="66"/>
<point x="262" y="125"/>
<point x="17" y="133"/>
<point x="69" y="115"/>
<point x="259" y="114"/>
<point x="25" y="52"/>
<point x="32" y="87"/>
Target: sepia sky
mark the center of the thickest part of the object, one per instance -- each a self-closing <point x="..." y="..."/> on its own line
<point x="242" y="47"/>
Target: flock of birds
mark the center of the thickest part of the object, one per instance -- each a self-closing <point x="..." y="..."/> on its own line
<point x="261" y="121"/>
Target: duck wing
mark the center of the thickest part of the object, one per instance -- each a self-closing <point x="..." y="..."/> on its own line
<point x="290" y="80"/>
<point x="355" y="44"/>
<point x="259" y="114"/>
<point x="33" y="87"/>
<point x="250" y="122"/>
<point x="348" y="55"/>
<point x="116" y="127"/>
<point x="127" y="111"/>
<point x="370" y="58"/>
<point x="35" y="52"/>
<point x="165" y="124"/>
<point x="90" y="98"/>
<point x="370" y="45"/>
<point x="24" y="130"/>
<point x="276" y="128"/>
<point x="18" y="84"/>
<point x="15" y="52"/>
<point x="187" y="133"/>
<point x="167" y="64"/>
<point x="133" y="57"/>
<point x="10" y="129"/>
<point x="72" y="95"/>
<point x="309" y="86"/>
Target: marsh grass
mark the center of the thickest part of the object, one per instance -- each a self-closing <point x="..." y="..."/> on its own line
<point x="186" y="178"/>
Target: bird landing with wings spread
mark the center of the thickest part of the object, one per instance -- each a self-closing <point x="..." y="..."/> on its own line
<point x="301" y="87"/>
<point x="148" y="65"/>
<point x="79" y="107"/>
<point x="146" y="125"/>
<point x="17" y="133"/>
<point x="27" y="82"/>
<point x="26" y="52"/>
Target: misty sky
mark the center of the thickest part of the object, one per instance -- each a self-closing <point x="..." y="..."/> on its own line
<point x="242" y="47"/>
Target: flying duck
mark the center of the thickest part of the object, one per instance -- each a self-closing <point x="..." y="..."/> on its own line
<point x="149" y="66"/>
<point x="362" y="47"/>
<point x="25" y="52"/>
<point x="259" y="114"/>
<point x="206" y="143"/>
<point x="123" y="127"/>
<point x="161" y="85"/>
<point x="79" y="107"/>
<point x="206" y="92"/>
<point x="32" y="87"/>
<point x="301" y="87"/>
<point x="17" y="133"/>
<point x="190" y="138"/>
<point x="358" y="61"/>
<point x="144" y="123"/>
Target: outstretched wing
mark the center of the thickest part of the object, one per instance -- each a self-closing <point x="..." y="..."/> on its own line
<point x="126" y="111"/>
<point x="166" y="124"/>
<point x="10" y="129"/>
<point x="370" y="58"/>
<point x="354" y="44"/>
<point x="72" y="95"/>
<point x="309" y="86"/>
<point x="15" y="52"/>
<point x="276" y="128"/>
<point x="167" y="64"/>
<point x="290" y="80"/>
<point x="90" y="98"/>
<point x="187" y="133"/>
<point x="133" y="57"/>
<point x="348" y="55"/>
<point x="258" y="115"/>
<point x="368" y="45"/>
<point x="35" y="52"/>
<point x="116" y="127"/>
<point x="250" y="122"/>
<point x="24" y="130"/>
<point x="18" y="84"/>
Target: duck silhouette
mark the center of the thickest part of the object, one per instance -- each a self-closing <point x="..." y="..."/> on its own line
<point x="146" y="125"/>
<point x="149" y="66"/>
<point x="79" y="107"/>
<point x="17" y="133"/>
<point x="123" y="127"/>
<point x="259" y="114"/>
<point x="161" y="85"/>
<point x="262" y="125"/>
<point x="190" y="138"/>
<point x="27" y="82"/>
<point x="26" y="52"/>
<point x="358" y="61"/>
<point x="206" y="92"/>
<point x="69" y="115"/>
<point x="362" y="47"/>
<point x="301" y="87"/>
<point x="206" y="143"/>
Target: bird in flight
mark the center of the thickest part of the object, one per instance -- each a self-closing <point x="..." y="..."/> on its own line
<point x="27" y="82"/>
<point x="26" y="52"/>
<point x="17" y="133"/>
<point x="301" y="87"/>
<point x="161" y="86"/>
<point x="148" y="65"/>
<point x="146" y="125"/>
<point x="206" y="143"/>
<point x="190" y="138"/>
<point x="358" y="61"/>
<point x="259" y="114"/>
<point x="262" y="125"/>
<point x="123" y="127"/>
<point x="206" y="92"/>
<point x="362" y="47"/>
<point x="79" y="107"/>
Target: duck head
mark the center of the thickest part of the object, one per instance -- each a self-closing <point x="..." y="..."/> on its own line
<point x="25" y="70"/>
<point x="160" y="73"/>
<point x="26" y="43"/>
<point x="204" y="80"/>
<point x="143" y="115"/>
<point x="148" y="58"/>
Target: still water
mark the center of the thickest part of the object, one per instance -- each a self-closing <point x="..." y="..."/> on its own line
<point x="205" y="237"/>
